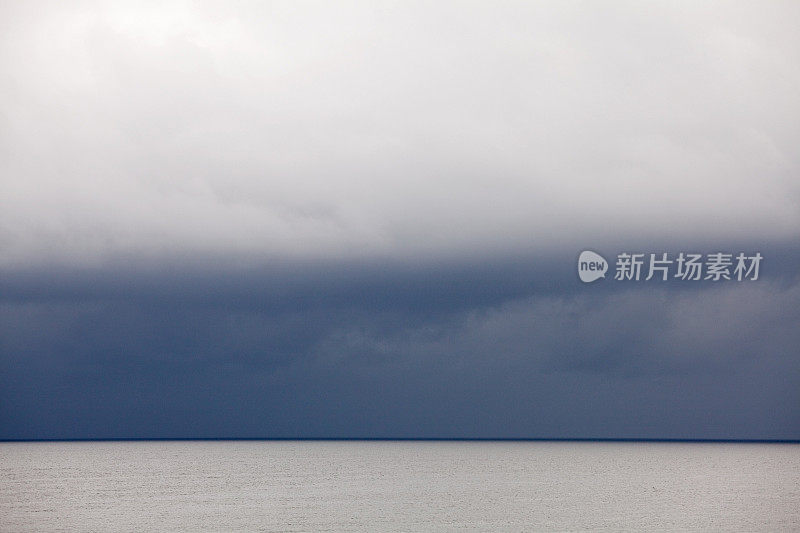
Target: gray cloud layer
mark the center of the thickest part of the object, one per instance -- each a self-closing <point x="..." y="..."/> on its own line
<point x="362" y="130"/>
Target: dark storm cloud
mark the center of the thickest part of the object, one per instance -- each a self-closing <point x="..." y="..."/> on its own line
<point x="503" y="348"/>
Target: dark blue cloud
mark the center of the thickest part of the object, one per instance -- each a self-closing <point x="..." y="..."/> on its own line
<point x="513" y="347"/>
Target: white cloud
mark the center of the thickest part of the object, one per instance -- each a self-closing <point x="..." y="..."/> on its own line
<point x="361" y="129"/>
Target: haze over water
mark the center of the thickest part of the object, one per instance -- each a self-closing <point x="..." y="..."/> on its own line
<point x="397" y="485"/>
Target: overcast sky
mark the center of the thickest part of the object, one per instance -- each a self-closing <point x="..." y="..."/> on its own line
<point x="361" y="219"/>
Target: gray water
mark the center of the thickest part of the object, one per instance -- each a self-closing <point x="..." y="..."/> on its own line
<point x="384" y="486"/>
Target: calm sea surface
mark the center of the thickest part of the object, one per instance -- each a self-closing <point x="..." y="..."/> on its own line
<point x="387" y="486"/>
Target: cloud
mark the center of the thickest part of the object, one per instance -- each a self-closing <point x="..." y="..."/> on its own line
<point x="298" y="219"/>
<point x="306" y="131"/>
<point x="394" y="352"/>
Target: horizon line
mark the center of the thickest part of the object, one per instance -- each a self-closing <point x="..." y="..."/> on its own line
<point x="404" y="439"/>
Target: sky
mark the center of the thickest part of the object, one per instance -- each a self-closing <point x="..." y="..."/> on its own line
<point x="363" y="219"/>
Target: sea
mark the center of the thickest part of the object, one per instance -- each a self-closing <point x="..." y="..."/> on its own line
<point x="398" y="486"/>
